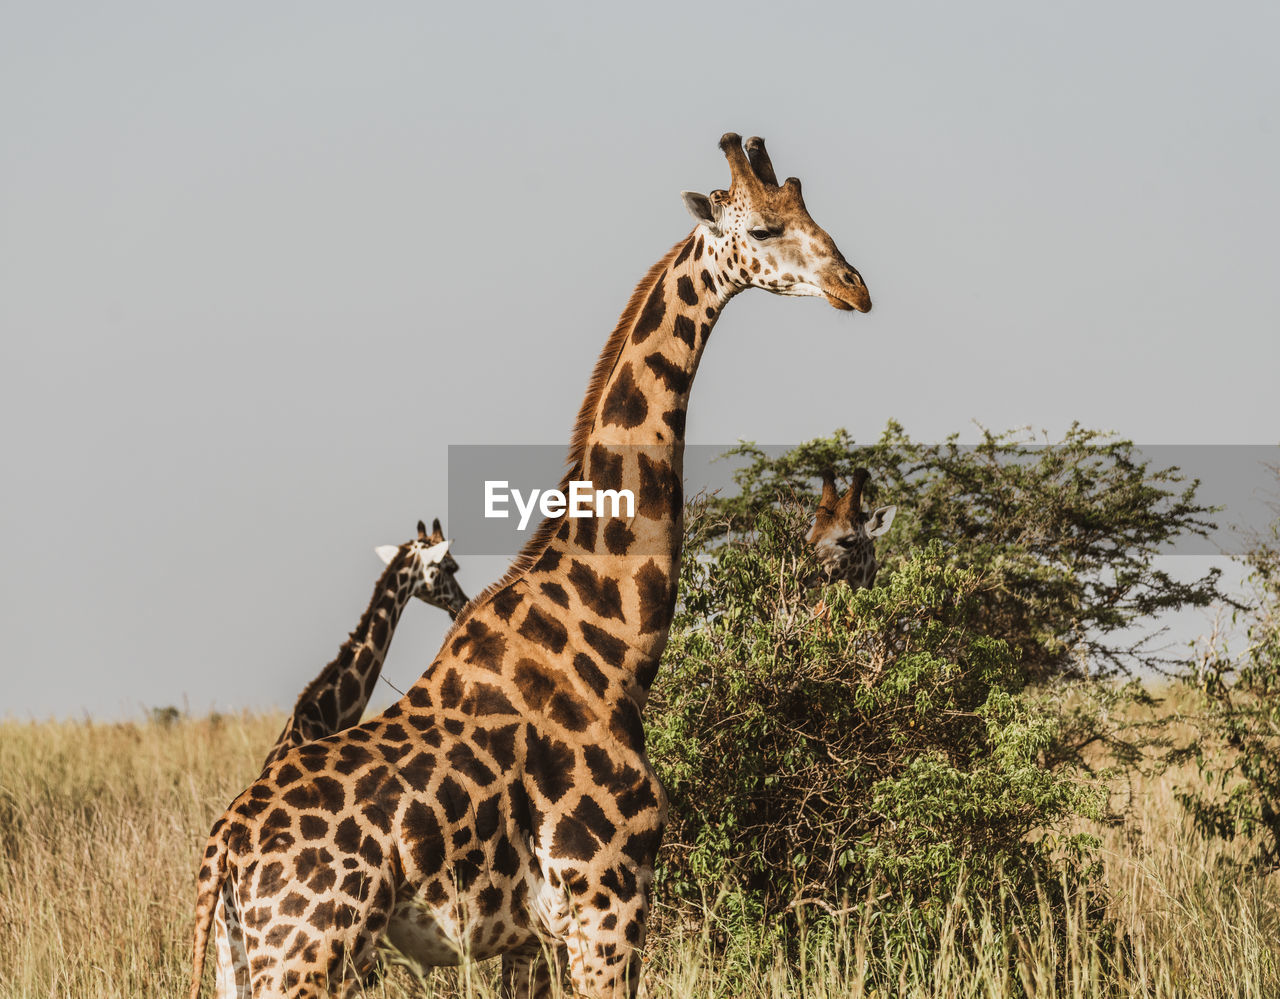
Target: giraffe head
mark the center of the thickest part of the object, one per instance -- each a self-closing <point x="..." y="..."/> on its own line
<point x="844" y="535"/>
<point x="428" y="555"/>
<point x="761" y="235"/>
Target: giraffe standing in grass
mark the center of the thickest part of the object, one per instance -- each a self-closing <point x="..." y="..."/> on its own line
<point x="336" y="698"/>
<point x="505" y="805"/>
<point x="843" y="534"/>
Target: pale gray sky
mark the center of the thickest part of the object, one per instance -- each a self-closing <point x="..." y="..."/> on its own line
<point x="261" y="263"/>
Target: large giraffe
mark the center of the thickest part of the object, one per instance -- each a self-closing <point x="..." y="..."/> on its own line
<point x="506" y="804"/>
<point x="843" y="534"/>
<point x="421" y="567"/>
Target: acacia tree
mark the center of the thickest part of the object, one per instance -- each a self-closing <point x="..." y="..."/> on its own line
<point x="876" y="744"/>
<point x="892" y="738"/>
<point x="1064" y="535"/>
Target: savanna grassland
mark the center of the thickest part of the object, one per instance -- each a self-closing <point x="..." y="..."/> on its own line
<point x="946" y="784"/>
<point x="101" y="826"/>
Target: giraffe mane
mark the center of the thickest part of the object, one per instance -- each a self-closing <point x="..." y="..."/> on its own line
<point x="607" y="361"/>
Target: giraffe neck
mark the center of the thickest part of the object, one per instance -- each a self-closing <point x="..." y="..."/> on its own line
<point x="337" y="697"/>
<point x="633" y="437"/>
<point x="607" y="585"/>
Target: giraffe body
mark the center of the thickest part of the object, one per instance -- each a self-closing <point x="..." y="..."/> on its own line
<point x="506" y="803"/>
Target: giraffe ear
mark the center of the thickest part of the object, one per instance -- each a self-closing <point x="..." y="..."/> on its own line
<point x="433" y="555"/>
<point x="436" y="529"/>
<point x="702" y="210"/>
<point x="387" y="552"/>
<point x="880" y="521"/>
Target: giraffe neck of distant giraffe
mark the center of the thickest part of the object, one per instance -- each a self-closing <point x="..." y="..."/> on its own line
<point x="337" y="697"/>
<point x="623" y="571"/>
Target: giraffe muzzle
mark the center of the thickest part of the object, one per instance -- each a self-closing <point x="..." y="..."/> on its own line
<point x="847" y="291"/>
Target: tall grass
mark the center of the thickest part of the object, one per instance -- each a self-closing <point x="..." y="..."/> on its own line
<point x="101" y="828"/>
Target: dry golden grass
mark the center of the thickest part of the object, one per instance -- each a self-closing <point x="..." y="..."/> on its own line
<point x="101" y="827"/>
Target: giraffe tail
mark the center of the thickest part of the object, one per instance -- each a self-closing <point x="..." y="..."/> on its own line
<point x="213" y="871"/>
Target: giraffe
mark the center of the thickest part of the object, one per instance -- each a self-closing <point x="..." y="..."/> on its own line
<point x="505" y="805"/>
<point x="336" y="698"/>
<point x="421" y="567"/>
<point x="843" y="534"/>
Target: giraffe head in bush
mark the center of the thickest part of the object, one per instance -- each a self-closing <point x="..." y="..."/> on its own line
<point x="844" y="534"/>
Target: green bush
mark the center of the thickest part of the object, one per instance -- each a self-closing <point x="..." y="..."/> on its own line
<point x="877" y="744"/>
<point x="911" y="743"/>
<point x="1063" y="535"/>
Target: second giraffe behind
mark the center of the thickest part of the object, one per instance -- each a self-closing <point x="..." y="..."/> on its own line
<point x="844" y="534"/>
<point x="336" y="698"/>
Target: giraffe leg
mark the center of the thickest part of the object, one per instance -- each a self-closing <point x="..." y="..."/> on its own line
<point x="604" y="947"/>
<point x="326" y="947"/>
<point x="325" y="968"/>
<point x="232" y="977"/>
<point x="531" y="971"/>
<point x="603" y="965"/>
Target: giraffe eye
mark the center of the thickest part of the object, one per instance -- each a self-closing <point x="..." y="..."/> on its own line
<point x="759" y="233"/>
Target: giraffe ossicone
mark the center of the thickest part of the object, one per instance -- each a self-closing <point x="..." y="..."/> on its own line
<point x="505" y="805"/>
